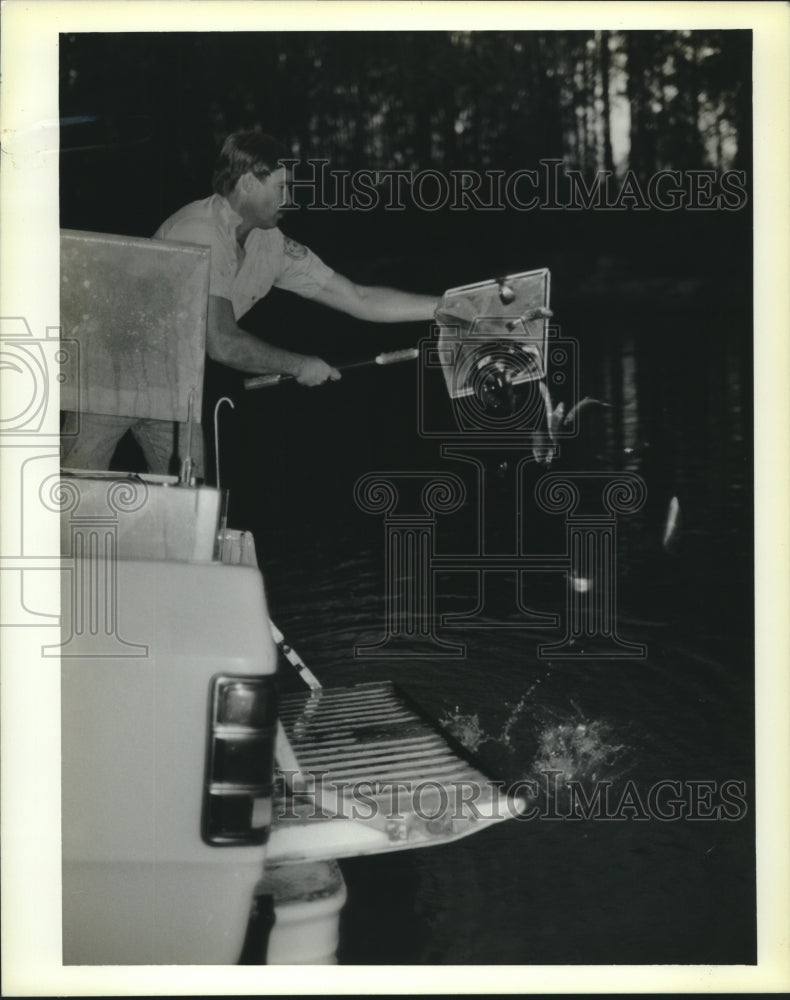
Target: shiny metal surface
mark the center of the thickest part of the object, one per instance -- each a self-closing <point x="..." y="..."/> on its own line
<point x="399" y="780"/>
<point x="490" y="313"/>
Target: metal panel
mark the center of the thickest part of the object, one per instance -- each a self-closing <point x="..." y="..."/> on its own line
<point x="489" y="313"/>
<point x="148" y="519"/>
<point x="398" y="779"/>
<point x="137" y="308"/>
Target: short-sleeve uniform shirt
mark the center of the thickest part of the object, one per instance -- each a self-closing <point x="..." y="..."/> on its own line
<point x="268" y="259"/>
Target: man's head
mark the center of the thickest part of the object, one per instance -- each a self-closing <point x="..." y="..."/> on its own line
<point x="246" y="152"/>
<point x="249" y="175"/>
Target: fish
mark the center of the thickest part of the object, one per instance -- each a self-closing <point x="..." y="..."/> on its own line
<point x="672" y="526"/>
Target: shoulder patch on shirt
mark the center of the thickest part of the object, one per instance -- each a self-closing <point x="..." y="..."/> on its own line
<point x="294" y="249"/>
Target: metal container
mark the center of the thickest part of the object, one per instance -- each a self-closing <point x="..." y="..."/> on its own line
<point x="149" y="517"/>
<point x="137" y="309"/>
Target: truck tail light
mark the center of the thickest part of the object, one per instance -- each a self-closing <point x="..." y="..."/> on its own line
<point x="237" y="798"/>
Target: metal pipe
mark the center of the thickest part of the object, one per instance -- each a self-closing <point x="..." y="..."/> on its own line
<point x="390" y="358"/>
<point x="224" y="399"/>
<point x="186" y="478"/>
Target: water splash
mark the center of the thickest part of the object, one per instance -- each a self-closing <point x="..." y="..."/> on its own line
<point x="518" y="708"/>
<point x="568" y="743"/>
<point x="469" y="732"/>
<point x="586" y="752"/>
<point x="465" y="728"/>
<point x="581" y="751"/>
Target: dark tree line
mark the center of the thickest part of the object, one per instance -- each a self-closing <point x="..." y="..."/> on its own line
<point x="597" y="99"/>
<point x="144" y="113"/>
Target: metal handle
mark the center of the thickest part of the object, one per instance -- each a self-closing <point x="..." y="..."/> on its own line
<point x="393" y="357"/>
<point x="389" y="358"/>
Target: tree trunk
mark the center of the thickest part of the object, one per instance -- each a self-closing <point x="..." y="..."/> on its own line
<point x="603" y="53"/>
<point x="640" y="158"/>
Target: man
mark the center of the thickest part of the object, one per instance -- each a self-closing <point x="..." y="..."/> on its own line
<point x="249" y="256"/>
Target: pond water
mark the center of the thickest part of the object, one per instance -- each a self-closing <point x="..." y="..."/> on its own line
<point x="630" y="888"/>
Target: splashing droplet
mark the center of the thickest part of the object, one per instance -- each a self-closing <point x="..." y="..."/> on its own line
<point x="583" y="752"/>
<point x="465" y="728"/>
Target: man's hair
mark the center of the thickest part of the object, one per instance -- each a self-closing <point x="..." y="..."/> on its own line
<point x="246" y="152"/>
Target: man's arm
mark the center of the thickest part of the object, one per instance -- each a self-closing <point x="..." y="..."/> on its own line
<point x="379" y="305"/>
<point x="227" y="343"/>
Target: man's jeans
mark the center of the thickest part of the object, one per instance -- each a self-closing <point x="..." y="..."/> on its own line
<point x="163" y="442"/>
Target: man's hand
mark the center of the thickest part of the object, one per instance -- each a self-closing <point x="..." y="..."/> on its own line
<point x="227" y="343"/>
<point x="314" y="371"/>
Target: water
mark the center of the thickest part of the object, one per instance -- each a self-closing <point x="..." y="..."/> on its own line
<point x="547" y="890"/>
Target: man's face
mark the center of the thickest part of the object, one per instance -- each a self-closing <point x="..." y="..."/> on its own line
<point x="268" y="198"/>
